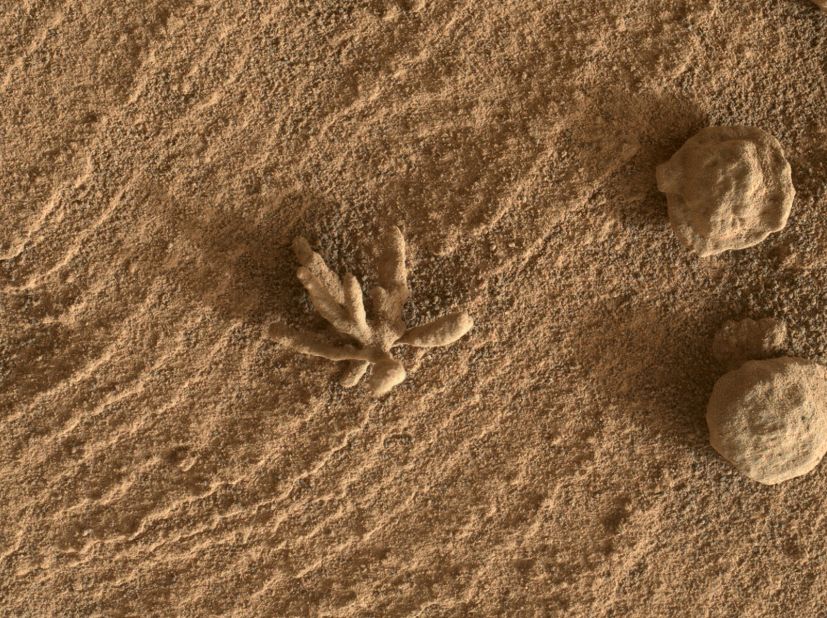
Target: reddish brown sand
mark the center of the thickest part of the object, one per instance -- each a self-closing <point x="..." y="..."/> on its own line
<point x="159" y="456"/>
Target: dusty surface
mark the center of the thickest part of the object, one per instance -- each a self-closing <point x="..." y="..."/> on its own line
<point x="160" y="456"/>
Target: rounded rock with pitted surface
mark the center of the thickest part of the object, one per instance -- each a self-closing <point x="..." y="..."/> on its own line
<point x="768" y="418"/>
<point x="727" y="188"/>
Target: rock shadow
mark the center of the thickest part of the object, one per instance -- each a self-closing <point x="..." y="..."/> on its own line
<point x="240" y="263"/>
<point x="661" y="124"/>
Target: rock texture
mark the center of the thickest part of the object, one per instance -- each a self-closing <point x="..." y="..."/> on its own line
<point x="748" y="339"/>
<point x="727" y="188"/>
<point x="769" y="418"/>
<point x="822" y="4"/>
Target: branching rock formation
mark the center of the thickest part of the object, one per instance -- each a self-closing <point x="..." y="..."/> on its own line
<point x="737" y="342"/>
<point x="340" y="302"/>
<point x="769" y="418"/>
<point x="727" y="188"/>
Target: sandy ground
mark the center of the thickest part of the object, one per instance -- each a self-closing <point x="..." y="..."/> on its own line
<point x="159" y="456"/>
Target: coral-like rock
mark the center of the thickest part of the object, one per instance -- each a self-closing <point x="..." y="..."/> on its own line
<point x="743" y="340"/>
<point x="727" y="188"/>
<point x="768" y="418"/>
<point x="340" y="302"/>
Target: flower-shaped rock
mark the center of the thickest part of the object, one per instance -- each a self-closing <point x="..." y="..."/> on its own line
<point x="727" y="188"/>
<point x="769" y="418"/>
<point x="340" y="301"/>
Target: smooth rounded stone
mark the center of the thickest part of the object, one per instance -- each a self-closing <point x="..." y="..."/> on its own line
<point x="748" y="339"/>
<point x="768" y="418"/>
<point x="822" y="4"/>
<point x="727" y="188"/>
